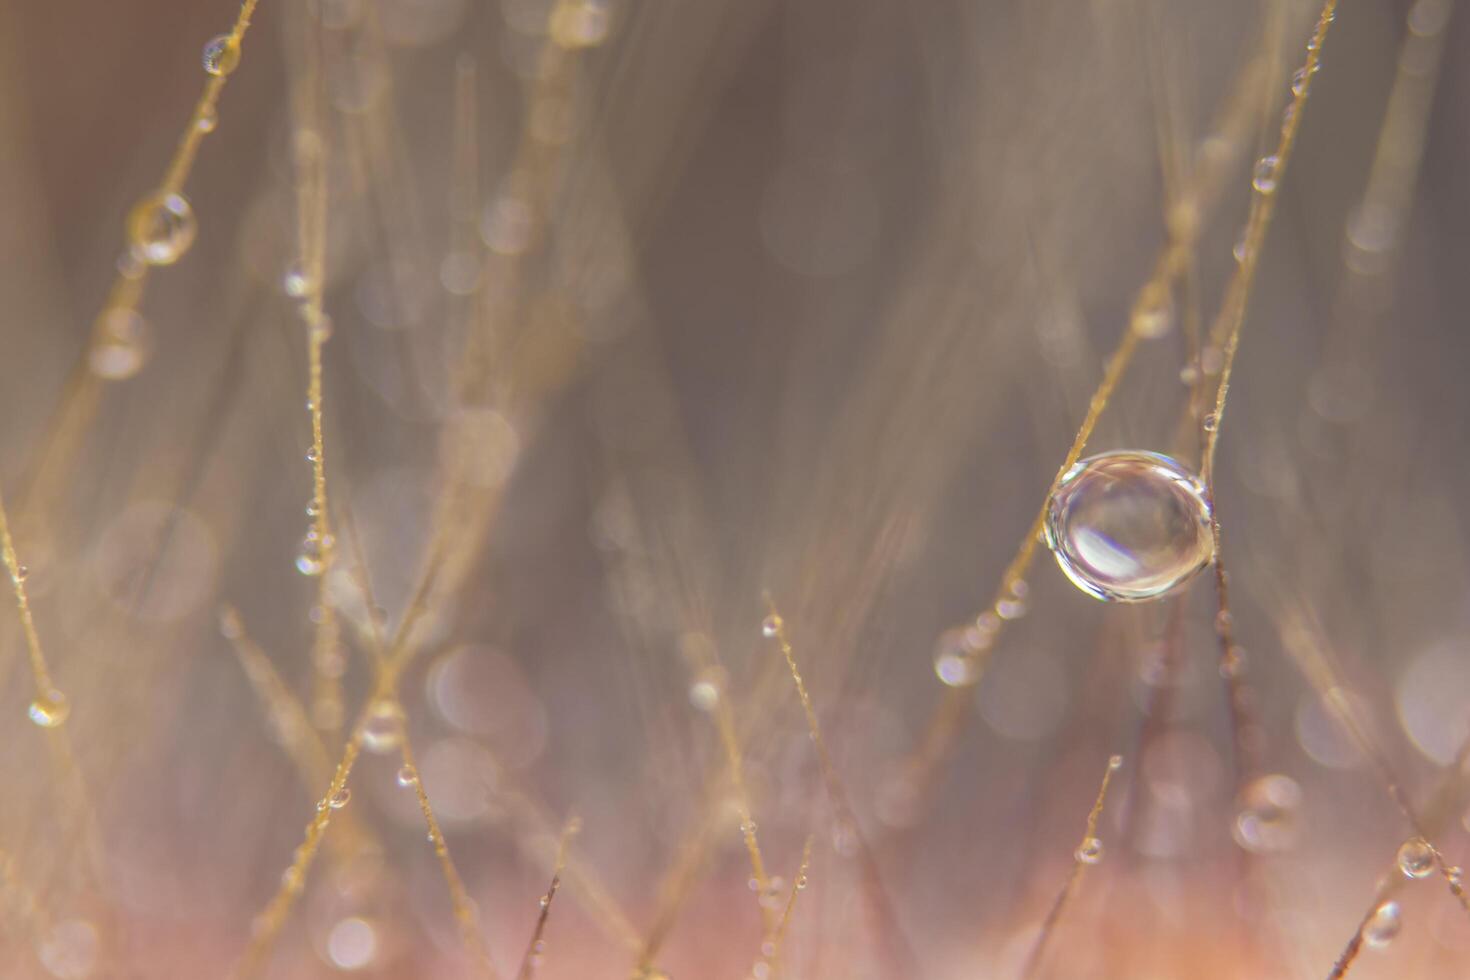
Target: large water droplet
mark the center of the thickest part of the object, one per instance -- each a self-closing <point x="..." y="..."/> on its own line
<point x="161" y="228"/>
<point x="1129" y="526"/>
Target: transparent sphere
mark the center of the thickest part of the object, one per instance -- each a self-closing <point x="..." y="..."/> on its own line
<point x="1129" y="526"/>
<point x="221" y="55"/>
<point x="383" y="729"/>
<point x="161" y="228"/>
<point x="1269" y="816"/>
<point x="1416" y="858"/>
<point x="1383" y="925"/>
<point x="119" y="344"/>
<point x="50" y="710"/>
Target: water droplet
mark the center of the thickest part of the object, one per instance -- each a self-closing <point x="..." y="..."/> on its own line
<point x="312" y="558"/>
<point x="771" y="626"/>
<point x="1383" y="925"/>
<point x="704" y="694"/>
<point x="1115" y="763"/>
<point x="773" y="896"/>
<point x="161" y="228"/>
<point x="1416" y="858"/>
<point x="382" y="731"/>
<point x="1299" y="81"/>
<point x="340" y="798"/>
<point x="221" y="55"/>
<point x="1210" y="422"/>
<point x="954" y="658"/>
<point x="1239" y="248"/>
<point x="352" y="944"/>
<point x="50" y="710"/>
<point x="296" y="283"/>
<point x="1155" y="318"/>
<point x="580" y="25"/>
<point x="320" y="328"/>
<point x="1129" y="526"/>
<point x="1267" y="820"/>
<point x="1010" y="608"/>
<point x="312" y="455"/>
<point x="406" y="776"/>
<point x="1090" y="851"/>
<point x="119" y="344"/>
<point x="207" y="120"/>
<point x="1263" y="178"/>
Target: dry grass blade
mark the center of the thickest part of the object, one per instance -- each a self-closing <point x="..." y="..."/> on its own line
<point x="536" y="948"/>
<point x="1089" y="851"/>
<point x="1186" y="219"/>
<point x="771" y="948"/>
<point x="464" y="909"/>
<point x="82" y="392"/>
<point x="888" y="932"/>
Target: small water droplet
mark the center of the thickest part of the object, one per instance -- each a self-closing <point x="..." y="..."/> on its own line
<point x="1383" y="925"/>
<point x="50" y="710"/>
<point x="221" y="55"/>
<point x="1115" y="763"/>
<point x="1129" y="526"/>
<point x="954" y="659"/>
<point x="382" y="730"/>
<point x="704" y="694"/>
<point x="312" y="455"/>
<point x="771" y="626"/>
<point x="1263" y="178"/>
<point x="1269" y="808"/>
<point x="312" y="558"/>
<point x="406" y="776"/>
<point x="1416" y="858"/>
<point x="1155" y="318"/>
<point x="1299" y="81"/>
<point x="119" y="344"/>
<point x="582" y="24"/>
<point x="161" y="228"/>
<point x="340" y="798"/>
<point x="207" y="120"/>
<point x="296" y="283"/>
<point x="1090" y="851"/>
<point x="1010" y="608"/>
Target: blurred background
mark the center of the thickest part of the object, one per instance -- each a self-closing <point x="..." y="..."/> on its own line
<point x="641" y="312"/>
